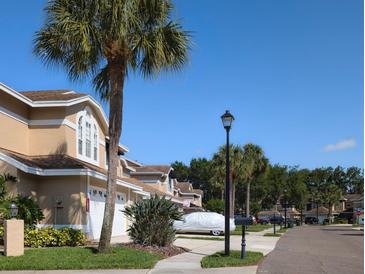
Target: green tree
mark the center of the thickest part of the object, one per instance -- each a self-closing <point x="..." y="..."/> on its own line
<point x="215" y="205"/>
<point x="355" y="180"/>
<point x="219" y="169"/>
<point x="331" y="195"/>
<point x="254" y="163"/>
<point x="277" y="177"/>
<point x="181" y="171"/>
<point x="200" y="174"/>
<point x="106" y="40"/>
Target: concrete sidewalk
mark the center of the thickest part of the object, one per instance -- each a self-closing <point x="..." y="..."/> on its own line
<point x="190" y="261"/>
<point x="187" y="262"/>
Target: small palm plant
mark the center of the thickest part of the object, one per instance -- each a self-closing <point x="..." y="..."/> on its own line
<point x="152" y="221"/>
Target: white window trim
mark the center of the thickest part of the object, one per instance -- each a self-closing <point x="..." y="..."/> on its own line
<point x="85" y="114"/>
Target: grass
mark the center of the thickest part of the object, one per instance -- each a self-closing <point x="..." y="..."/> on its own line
<point x="79" y="258"/>
<point x="283" y="230"/>
<point x="219" y="260"/>
<point x="250" y="228"/>
<point x="201" y="238"/>
<point x="272" y="235"/>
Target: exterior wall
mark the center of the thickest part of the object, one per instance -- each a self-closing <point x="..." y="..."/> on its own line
<point x="46" y="140"/>
<point x="68" y="189"/>
<point x="14" y="134"/>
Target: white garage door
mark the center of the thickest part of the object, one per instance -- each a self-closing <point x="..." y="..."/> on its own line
<point x="96" y="213"/>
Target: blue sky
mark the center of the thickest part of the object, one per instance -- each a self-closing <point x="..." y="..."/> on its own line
<point x="290" y="71"/>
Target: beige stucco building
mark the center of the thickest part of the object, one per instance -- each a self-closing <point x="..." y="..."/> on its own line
<point x="54" y="142"/>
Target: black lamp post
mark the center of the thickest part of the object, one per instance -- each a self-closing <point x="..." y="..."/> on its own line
<point x="285" y="204"/>
<point x="227" y="119"/>
<point x="13" y="210"/>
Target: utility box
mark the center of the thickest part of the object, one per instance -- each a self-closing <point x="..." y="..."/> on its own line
<point x="14" y="237"/>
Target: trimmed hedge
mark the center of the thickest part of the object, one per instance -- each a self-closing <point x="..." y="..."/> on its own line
<point x="50" y="237"/>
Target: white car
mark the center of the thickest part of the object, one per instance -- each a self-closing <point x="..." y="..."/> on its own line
<point x="210" y="222"/>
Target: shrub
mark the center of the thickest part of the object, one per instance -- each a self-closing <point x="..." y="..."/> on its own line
<point x="28" y="209"/>
<point x="215" y="205"/>
<point x="340" y="221"/>
<point x="152" y="221"/>
<point x="50" y="237"/>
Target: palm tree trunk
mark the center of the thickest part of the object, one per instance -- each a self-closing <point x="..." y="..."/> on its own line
<point x="233" y="196"/>
<point x="248" y="199"/>
<point x="115" y="129"/>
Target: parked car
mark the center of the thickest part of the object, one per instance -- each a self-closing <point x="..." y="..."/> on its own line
<point x="253" y="218"/>
<point x="278" y="220"/>
<point x="263" y="220"/>
<point x="311" y="220"/>
<point x="203" y="222"/>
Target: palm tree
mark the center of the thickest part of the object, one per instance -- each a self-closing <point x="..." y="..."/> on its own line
<point x="331" y="195"/>
<point x="254" y="163"/>
<point x="219" y="169"/>
<point x="105" y="40"/>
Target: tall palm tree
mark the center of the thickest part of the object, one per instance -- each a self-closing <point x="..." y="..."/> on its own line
<point x="105" y="40"/>
<point x="254" y="163"/>
<point x="219" y="169"/>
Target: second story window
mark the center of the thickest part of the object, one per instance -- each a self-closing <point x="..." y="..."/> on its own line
<point x="87" y="137"/>
<point x="88" y="140"/>
<point x="79" y="138"/>
<point x="95" y="144"/>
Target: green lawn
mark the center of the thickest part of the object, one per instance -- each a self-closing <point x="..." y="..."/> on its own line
<point x="250" y="228"/>
<point x="219" y="260"/>
<point x="78" y="258"/>
<point x="201" y="238"/>
<point x="283" y="230"/>
<point x="272" y="234"/>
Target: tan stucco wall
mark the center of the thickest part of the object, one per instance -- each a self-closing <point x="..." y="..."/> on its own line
<point x="14" y="105"/>
<point x="47" y="113"/>
<point x="46" y="140"/>
<point x="71" y="190"/>
<point x="13" y="134"/>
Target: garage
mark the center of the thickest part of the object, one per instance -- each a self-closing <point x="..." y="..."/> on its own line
<point x="96" y="213"/>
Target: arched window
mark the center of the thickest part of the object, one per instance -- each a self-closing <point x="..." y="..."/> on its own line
<point x="87" y="137"/>
<point x="95" y="144"/>
<point x="88" y="140"/>
<point x="80" y="135"/>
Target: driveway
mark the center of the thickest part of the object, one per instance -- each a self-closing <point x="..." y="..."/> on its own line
<point x="317" y="249"/>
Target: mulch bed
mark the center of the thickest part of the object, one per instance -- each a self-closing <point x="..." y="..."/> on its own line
<point x="164" y="251"/>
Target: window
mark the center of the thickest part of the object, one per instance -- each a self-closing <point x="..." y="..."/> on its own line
<point x="87" y="137"/>
<point x="88" y="140"/>
<point x="95" y="144"/>
<point x="80" y="135"/>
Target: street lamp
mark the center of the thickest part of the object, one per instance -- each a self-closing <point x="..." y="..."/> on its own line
<point x="285" y="191"/>
<point x="227" y="119"/>
<point x="13" y="210"/>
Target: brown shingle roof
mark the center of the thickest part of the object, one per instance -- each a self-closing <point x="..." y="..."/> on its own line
<point x="52" y="95"/>
<point x="62" y="161"/>
<point x="154" y="168"/>
<point x="184" y="186"/>
<point x="187" y="187"/>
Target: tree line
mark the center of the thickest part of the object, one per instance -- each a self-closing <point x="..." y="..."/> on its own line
<point x="258" y="184"/>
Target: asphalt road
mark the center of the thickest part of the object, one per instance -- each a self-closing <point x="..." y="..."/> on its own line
<point x="316" y="249"/>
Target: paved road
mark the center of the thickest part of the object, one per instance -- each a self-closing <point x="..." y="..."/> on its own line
<point x="316" y="249"/>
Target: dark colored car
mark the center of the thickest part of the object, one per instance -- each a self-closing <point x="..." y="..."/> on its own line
<point x="278" y="220"/>
<point x="311" y="220"/>
<point x="263" y="220"/>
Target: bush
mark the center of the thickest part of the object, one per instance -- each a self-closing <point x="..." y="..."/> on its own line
<point x="215" y="205"/>
<point x="152" y="221"/>
<point x="28" y="209"/>
<point x="340" y="221"/>
<point x="50" y="237"/>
